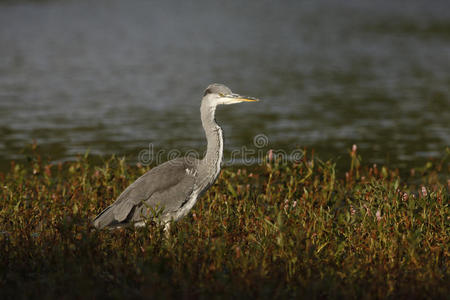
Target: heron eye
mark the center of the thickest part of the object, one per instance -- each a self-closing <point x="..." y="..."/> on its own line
<point x="221" y="95"/>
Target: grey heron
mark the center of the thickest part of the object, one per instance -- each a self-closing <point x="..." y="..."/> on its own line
<point x="175" y="186"/>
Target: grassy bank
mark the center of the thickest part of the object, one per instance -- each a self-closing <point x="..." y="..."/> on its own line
<point x="277" y="230"/>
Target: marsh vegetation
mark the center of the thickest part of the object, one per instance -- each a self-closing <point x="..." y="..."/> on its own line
<point x="275" y="230"/>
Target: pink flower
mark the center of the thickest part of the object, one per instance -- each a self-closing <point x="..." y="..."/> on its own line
<point x="352" y="210"/>
<point x="378" y="215"/>
<point x="294" y="204"/>
<point x="424" y="191"/>
<point x="270" y="155"/>
<point x="405" y="197"/>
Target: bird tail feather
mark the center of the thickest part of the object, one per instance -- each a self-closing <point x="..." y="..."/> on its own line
<point x="105" y="218"/>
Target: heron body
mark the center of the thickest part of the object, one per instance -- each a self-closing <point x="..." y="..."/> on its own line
<point x="174" y="187"/>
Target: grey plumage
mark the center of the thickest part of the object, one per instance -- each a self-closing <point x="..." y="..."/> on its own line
<point x="174" y="186"/>
<point x="166" y="185"/>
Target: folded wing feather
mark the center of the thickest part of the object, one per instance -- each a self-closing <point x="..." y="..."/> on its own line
<point x="167" y="185"/>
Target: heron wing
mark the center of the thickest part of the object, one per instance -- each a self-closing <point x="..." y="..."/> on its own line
<point x="166" y="185"/>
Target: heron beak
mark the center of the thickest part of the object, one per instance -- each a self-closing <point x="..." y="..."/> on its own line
<point x="238" y="98"/>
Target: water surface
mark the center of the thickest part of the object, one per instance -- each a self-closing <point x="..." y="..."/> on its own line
<point x="116" y="76"/>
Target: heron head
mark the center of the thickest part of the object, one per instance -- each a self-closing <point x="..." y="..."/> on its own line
<point x="220" y="94"/>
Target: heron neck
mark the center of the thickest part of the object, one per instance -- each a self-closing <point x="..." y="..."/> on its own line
<point x="213" y="132"/>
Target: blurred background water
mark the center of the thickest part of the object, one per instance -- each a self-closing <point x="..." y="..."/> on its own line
<point x="116" y="76"/>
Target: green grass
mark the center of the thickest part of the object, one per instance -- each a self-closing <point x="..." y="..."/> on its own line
<point x="278" y="230"/>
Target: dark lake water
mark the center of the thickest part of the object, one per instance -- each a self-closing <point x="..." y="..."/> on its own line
<point x="116" y="76"/>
